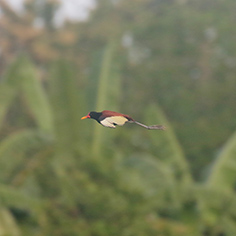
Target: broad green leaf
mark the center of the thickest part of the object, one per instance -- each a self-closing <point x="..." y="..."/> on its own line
<point x="15" y="148"/>
<point x="22" y="76"/>
<point x="7" y="94"/>
<point x="143" y="172"/>
<point x="165" y="144"/>
<point x="13" y="197"/>
<point x="8" y="226"/>
<point x="223" y="170"/>
<point x="66" y="108"/>
<point x="108" y="93"/>
<point x="9" y="87"/>
<point x="217" y="207"/>
<point x="35" y="95"/>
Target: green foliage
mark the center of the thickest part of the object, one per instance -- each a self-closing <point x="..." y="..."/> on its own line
<point x="217" y="210"/>
<point x="166" y="146"/>
<point x="8" y="88"/>
<point x="144" y="192"/>
<point x="223" y="174"/>
<point x="65" y="102"/>
<point x="8" y="225"/>
<point x="7" y="94"/>
<point x="63" y="176"/>
<point x="13" y="198"/>
<point x="35" y="95"/>
<point x="104" y="82"/>
<point x="16" y="148"/>
<point x="129" y="187"/>
<point x="108" y="92"/>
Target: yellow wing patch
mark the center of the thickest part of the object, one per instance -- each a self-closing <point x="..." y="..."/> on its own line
<point x="119" y="120"/>
<point x="106" y="123"/>
<point x="114" y="120"/>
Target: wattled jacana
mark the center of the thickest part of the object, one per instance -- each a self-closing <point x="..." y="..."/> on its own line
<point x="111" y="119"/>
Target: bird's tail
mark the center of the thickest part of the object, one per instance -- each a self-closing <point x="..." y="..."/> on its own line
<point x="160" y="127"/>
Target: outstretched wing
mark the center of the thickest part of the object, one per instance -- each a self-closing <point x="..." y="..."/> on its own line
<point x="112" y="121"/>
<point x="106" y="123"/>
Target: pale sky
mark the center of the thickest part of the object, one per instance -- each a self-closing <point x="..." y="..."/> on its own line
<point x="71" y="9"/>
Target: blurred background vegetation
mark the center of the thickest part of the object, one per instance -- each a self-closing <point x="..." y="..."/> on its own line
<point x="170" y="62"/>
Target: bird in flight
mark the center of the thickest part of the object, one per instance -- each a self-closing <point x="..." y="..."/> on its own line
<point x="111" y="119"/>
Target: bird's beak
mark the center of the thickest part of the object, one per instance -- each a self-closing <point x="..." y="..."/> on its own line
<point x="85" y="117"/>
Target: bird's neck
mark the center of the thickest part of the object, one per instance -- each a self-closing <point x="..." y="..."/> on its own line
<point x="95" y="115"/>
